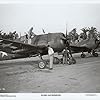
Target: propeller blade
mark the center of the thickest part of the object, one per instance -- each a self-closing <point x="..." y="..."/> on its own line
<point x="66" y="32"/>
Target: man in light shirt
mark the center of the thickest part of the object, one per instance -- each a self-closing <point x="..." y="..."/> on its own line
<point x="51" y="55"/>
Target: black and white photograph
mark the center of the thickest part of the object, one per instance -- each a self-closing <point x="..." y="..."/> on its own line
<point x="50" y="47"/>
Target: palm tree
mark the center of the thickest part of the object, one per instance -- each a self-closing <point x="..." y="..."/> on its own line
<point x="92" y="32"/>
<point x="84" y="33"/>
<point x="73" y="35"/>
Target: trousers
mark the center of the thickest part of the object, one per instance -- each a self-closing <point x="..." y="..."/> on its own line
<point x="51" y="61"/>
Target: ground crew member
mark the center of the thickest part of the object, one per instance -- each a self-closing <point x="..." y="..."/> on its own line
<point x="65" y="55"/>
<point x="51" y="55"/>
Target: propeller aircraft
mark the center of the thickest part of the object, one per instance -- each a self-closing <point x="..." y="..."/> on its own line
<point x="88" y="45"/>
<point x="36" y="45"/>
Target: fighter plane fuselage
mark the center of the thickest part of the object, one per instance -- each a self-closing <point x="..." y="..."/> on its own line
<point x="85" y="45"/>
<point x="55" y="40"/>
<point x="36" y="45"/>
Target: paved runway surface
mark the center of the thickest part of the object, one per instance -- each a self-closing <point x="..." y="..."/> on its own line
<point x="24" y="76"/>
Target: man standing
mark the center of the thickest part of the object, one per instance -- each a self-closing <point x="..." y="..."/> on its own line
<point x="51" y="55"/>
<point x="65" y="55"/>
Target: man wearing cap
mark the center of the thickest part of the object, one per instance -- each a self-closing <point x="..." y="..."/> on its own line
<point x="51" y="54"/>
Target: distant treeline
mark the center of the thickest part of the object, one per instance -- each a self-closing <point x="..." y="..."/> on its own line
<point x="11" y="35"/>
<point x="86" y="32"/>
<point x="15" y="36"/>
<point x="72" y="35"/>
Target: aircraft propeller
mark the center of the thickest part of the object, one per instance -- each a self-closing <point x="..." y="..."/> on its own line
<point x="70" y="59"/>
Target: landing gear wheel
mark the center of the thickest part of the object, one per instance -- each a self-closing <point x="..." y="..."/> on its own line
<point x="95" y="54"/>
<point x="83" y="55"/>
<point x="42" y="64"/>
<point x="69" y="62"/>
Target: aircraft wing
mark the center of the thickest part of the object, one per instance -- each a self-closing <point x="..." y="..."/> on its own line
<point x="15" y="45"/>
<point x="77" y="49"/>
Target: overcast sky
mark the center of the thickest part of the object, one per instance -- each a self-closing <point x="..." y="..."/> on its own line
<point x="52" y="17"/>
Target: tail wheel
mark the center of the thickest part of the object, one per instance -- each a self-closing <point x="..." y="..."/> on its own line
<point x="95" y="54"/>
<point x="83" y="55"/>
<point x="42" y="64"/>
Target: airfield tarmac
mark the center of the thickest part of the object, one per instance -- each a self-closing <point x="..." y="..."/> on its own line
<point x="24" y="76"/>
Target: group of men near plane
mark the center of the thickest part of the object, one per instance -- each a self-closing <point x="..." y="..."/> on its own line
<point x="73" y="37"/>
